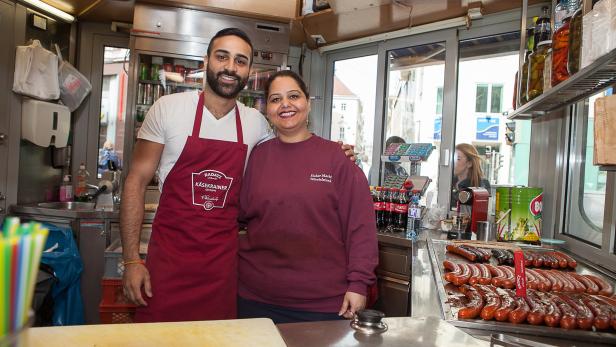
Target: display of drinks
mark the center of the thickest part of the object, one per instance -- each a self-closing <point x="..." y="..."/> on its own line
<point x="575" y="40"/>
<point x="401" y="211"/>
<point x="536" y="69"/>
<point x="543" y="29"/>
<point x="379" y="208"/>
<point x="390" y="201"/>
<point x="414" y="218"/>
<point x="560" y="47"/>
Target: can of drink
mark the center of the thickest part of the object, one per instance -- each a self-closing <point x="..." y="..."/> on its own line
<point x="154" y="72"/>
<point x="144" y="72"/>
<point x="149" y="96"/>
<point x="141" y="93"/>
<point x="158" y="91"/>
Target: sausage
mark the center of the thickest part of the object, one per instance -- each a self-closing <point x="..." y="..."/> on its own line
<point x="492" y="301"/>
<point x="578" y="287"/>
<point x="567" y="285"/>
<point x="568" y="319"/>
<point x="552" y="313"/>
<point x="473" y="250"/>
<point x="528" y="259"/>
<point x="507" y="305"/>
<point x="485" y="277"/>
<point x="605" y="288"/>
<point x="584" y="317"/>
<point x="461" y="252"/>
<point x="509" y="257"/>
<point x="475" y="274"/>
<point x="537" y="312"/>
<point x="486" y="253"/>
<point x="560" y="260"/>
<point x="497" y="275"/>
<point x="519" y="314"/>
<point x="509" y="281"/>
<point x="543" y="284"/>
<point x="453" y="268"/>
<point x="591" y="286"/>
<point x="475" y="303"/>
<point x="602" y="313"/>
<point x="570" y="261"/>
<point x="550" y="261"/>
<point x="538" y="260"/>
<point x="500" y="256"/>
<point x="531" y="280"/>
<point x="557" y="285"/>
<point x="609" y="304"/>
<point x="463" y="277"/>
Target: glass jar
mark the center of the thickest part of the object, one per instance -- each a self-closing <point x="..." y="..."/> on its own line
<point x="535" y="69"/>
<point x="560" y="51"/>
<point x="522" y="93"/>
<point x="575" y="42"/>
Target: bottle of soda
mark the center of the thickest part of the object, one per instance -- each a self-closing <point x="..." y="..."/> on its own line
<point x="393" y="197"/>
<point x="414" y="216"/>
<point x="389" y="208"/>
<point x="401" y="211"/>
<point x="379" y="208"/>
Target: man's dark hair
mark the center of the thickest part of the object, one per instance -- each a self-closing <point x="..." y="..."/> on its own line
<point x="286" y="73"/>
<point x="231" y="32"/>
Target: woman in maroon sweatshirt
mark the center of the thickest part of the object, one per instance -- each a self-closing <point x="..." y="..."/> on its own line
<point x="311" y="249"/>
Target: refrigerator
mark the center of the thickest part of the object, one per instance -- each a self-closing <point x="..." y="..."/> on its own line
<point x="167" y="46"/>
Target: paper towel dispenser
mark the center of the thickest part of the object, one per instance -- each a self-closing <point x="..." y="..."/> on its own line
<point x="45" y="123"/>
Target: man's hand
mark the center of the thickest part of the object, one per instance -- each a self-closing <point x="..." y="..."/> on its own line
<point x="352" y="303"/>
<point x="136" y="276"/>
<point x="348" y="151"/>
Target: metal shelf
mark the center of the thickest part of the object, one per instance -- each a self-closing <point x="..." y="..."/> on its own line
<point x="586" y="82"/>
<point x="607" y="167"/>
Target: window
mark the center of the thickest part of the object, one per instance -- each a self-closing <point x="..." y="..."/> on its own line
<point x="481" y="98"/>
<point x="587" y="185"/>
<point x="354" y="84"/>
<point x="439" y="100"/>
<point x="503" y="162"/>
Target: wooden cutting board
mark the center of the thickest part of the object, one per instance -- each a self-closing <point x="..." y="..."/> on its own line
<point x="239" y="332"/>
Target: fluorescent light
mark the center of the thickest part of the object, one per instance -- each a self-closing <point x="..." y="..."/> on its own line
<point x="51" y="10"/>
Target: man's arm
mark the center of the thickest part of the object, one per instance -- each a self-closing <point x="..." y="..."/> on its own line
<point x="145" y="159"/>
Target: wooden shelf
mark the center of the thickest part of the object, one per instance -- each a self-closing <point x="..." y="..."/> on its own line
<point x="586" y="82"/>
<point x="607" y="167"/>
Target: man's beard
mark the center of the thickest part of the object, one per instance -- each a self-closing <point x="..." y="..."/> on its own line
<point x="212" y="81"/>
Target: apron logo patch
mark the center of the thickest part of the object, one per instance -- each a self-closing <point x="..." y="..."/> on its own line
<point x="210" y="189"/>
<point x="321" y="177"/>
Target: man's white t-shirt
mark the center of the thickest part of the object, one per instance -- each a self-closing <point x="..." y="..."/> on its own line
<point x="170" y="121"/>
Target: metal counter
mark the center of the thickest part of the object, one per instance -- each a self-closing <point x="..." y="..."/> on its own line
<point x="403" y="331"/>
<point x="426" y="301"/>
<point x="34" y="209"/>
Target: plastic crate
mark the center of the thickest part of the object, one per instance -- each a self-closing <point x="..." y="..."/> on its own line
<point x="116" y="314"/>
<point x="113" y="259"/>
<point x="113" y="293"/>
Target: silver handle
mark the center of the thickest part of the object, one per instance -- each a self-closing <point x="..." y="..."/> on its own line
<point x="2" y="197"/>
<point x="1" y="209"/>
<point x="445" y="158"/>
<point x="2" y="138"/>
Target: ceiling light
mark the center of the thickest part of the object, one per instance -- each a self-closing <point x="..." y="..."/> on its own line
<point x="51" y="10"/>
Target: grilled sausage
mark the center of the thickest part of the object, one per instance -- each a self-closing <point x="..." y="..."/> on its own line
<point x="538" y="260"/>
<point x="531" y="280"/>
<point x="560" y="260"/>
<point x="475" y="303"/>
<point x="507" y="305"/>
<point x="567" y="285"/>
<point x="463" y="277"/>
<point x="557" y="285"/>
<point x="570" y="261"/>
<point x="568" y="319"/>
<point x="509" y="281"/>
<point x="601" y="312"/>
<point x="584" y="317"/>
<point x="578" y="287"/>
<point x="500" y="256"/>
<point x="520" y="313"/>
<point x="528" y="259"/>
<point x="552" y="313"/>
<point x="591" y="286"/>
<point x="497" y="275"/>
<point x="543" y="284"/>
<point x="473" y="250"/>
<point x="605" y="288"/>
<point x="537" y="312"/>
<point x="475" y="274"/>
<point x="609" y="304"/>
<point x="453" y="268"/>
<point x="461" y="252"/>
<point x="486" y="277"/>
<point x="492" y="301"/>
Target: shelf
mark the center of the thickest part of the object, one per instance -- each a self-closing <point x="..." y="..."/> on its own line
<point x="586" y="82"/>
<point x="175" y="84"/>
<point x="253" y="92"/>
<point x="607" y="167"/>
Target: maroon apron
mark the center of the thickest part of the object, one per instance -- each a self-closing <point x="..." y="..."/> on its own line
<point x="192" y="255"/>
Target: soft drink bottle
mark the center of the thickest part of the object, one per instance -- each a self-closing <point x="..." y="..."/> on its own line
<point x="393" y="197"/>
<point x="401" y="211"/>
<point x="414" y="215"/>
<point x="379" y="207"/>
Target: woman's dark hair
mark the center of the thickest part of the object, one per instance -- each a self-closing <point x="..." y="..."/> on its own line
<point x="286" y="73"/>
<point x="231" y="32"/>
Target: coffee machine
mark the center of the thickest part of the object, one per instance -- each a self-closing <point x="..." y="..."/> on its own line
<point x="474" y="199"/>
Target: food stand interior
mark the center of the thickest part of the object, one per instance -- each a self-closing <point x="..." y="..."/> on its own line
<point x="416" y="77"/>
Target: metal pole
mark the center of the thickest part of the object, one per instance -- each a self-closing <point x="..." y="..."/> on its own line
<point x="522" y="45"/>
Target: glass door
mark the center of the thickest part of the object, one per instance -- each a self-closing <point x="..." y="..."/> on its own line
<point x="254" y="94"/>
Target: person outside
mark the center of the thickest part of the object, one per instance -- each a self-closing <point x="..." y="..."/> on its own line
<point x="198" y="143"/>
<point x="310" y="249"/>
<point x="466" y="171"/>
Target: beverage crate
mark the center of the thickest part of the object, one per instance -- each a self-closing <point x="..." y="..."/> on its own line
<point x="115" y="307"/>
<point x="113" y="259"/>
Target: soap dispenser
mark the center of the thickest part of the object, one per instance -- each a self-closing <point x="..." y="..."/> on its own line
<point x="66" y="189"/>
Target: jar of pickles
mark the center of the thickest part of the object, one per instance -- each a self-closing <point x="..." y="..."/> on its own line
<point x="535" y="69"/>
<point x="522" y="92"/>
<point x="575" y="41"/>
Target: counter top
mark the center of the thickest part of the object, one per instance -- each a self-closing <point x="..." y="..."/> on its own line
<point x="34" y="209"/>
<point x="240" y="332"/>
<point x="403" y="331"/>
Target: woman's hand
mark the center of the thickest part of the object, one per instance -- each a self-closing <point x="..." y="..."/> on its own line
<point x="352" y="303"/>
<point x="349" y="150"/>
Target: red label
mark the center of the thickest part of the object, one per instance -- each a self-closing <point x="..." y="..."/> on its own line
<point x="536" y="205"/>
<point x="389" y="206"/>
<point x="210" y="189"/>
<point x="401" y="208"/>
<point x="520" y="273"/>
<point x="379" y="206"/>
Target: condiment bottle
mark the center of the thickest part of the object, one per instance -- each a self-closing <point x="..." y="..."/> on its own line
<point x="560" y="48"/>
<point x="575" y="41"/>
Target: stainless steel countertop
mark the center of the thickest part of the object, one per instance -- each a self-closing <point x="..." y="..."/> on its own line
<point x="403" y="331"/>
<point x="34" y="209"/>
